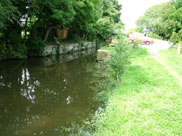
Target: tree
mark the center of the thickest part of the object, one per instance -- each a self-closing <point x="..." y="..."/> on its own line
<point x="111" y="8"/>
<point x="111" y="17"/>
<point x="162" y="19"/>
<point x="28" y="23"/>
<point x="7" y="13"/>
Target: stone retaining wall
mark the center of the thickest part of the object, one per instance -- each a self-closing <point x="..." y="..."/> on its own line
<point x="49" y="61"/>
<point x="60" y="49"/>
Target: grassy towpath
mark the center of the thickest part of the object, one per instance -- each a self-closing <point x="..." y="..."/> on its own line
<point x="148" y="101"/>
<point x="172" y="62"/>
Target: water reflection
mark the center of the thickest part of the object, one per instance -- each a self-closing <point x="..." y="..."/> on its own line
<point x="41" y="96"/>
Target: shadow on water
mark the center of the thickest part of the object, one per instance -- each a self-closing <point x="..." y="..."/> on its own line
<point x="42" y="96"/>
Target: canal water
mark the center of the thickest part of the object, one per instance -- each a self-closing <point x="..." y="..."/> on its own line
<point x="46" y="96"/>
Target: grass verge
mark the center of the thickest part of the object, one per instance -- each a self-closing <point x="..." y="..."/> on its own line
<point x="146" y="103"/>
<point x="172" y="59"/>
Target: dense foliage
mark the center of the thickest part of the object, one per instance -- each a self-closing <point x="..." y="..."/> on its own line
<point x="163" y="20"/>
<point x="25" y="23"/>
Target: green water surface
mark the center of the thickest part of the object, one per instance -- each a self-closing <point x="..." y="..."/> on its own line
<point x="43" y="96"/>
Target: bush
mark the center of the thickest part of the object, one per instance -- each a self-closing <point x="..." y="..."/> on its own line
<point x="35" y="47"/>
<point x="3" y="52"/>
<point x="156" y="36"/>
<point x="14" y="37"/>
<point x="18" y="51"/>
<point x="174" y="38"/>
<point x="135" y="44"/>
<point x="13" y="51"/>
<point x="110" y="71"/>
<point x="119" y="58"/>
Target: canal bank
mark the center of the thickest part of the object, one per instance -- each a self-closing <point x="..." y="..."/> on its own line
<point x="66" y="48"/>
<point x="49" y="49"/>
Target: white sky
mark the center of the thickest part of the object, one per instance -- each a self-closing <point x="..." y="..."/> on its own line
<point x="133" y="9"/>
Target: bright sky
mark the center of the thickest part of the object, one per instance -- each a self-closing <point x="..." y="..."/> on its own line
<point x="133" y="9"/>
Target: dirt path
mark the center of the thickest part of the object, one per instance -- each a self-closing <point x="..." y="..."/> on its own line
<point x="154" y="49"/>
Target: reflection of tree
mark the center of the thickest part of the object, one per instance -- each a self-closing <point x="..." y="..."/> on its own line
<point x="28" y="85"/>
<point x="17" y="88"/>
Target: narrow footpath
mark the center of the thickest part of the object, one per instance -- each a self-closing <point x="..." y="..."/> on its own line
<point x="154" y="51"/>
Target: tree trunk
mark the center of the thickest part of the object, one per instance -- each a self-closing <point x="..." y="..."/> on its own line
<point x="47" y="33"/>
